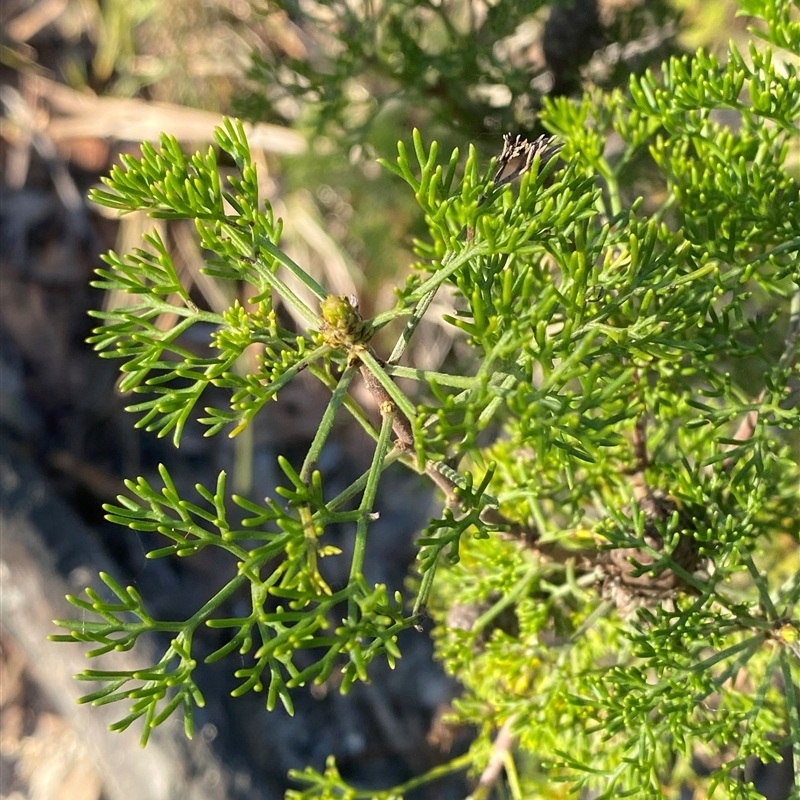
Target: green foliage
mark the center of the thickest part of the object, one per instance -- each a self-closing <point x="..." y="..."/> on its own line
<point x="464" y="65"/>
<point x="615" y="578"/>
<point x="419" y="53"/>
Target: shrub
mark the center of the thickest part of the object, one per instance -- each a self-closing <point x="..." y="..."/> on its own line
<point x="614" y="575"/>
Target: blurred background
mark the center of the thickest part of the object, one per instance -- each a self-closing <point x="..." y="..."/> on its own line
<point x="327" y="88"/>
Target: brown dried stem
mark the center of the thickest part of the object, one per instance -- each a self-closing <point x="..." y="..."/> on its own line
<point x="500" y="750"/>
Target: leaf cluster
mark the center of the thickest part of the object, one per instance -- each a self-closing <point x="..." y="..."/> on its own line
<point x="462" y="65"/>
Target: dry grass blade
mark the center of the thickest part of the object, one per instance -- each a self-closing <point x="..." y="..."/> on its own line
<point x="77" y="115"/>
<point x="214" y="292"/>
<point x="34" y="130"/>
<point x="302" y="227"/>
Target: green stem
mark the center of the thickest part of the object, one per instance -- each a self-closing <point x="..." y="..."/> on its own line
<point x="218" y="599"/>
<point x="153" y="303"/>
<point x="243" y="462"/>
<point x="272" y="388"/>
<point x="326" y="423"/>
<point x="387" y="316"/>
<point x="197" y="618"/>
<point x="456" y="765"/>
<point x="426" y="292"/>
<point x="296" y="270"/>
<point x="400" y="400"/>
<point x="288" y="296"/>
<point x="349" y="403"/>
<point x="495" y="402"/>
<point x="367" y="502"/>
<point x="610" y="177"/>
<point x="792" y="246"/>
<point x="416" y="317"/>
<point x="511" y="598"/>
<point x="339" y="790"/>
<point x="425" y="586"/>
<point x="763" y="590"/>
<point x="750" y="644"/>
<point x="354" y="488"/>
<point x="429" y="376"/>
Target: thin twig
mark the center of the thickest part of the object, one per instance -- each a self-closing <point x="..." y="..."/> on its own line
<point x="500" y="749"/>
<point x="401" y="426"/>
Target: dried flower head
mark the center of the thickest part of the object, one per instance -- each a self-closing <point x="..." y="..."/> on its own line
<point x="518" y="154"/>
